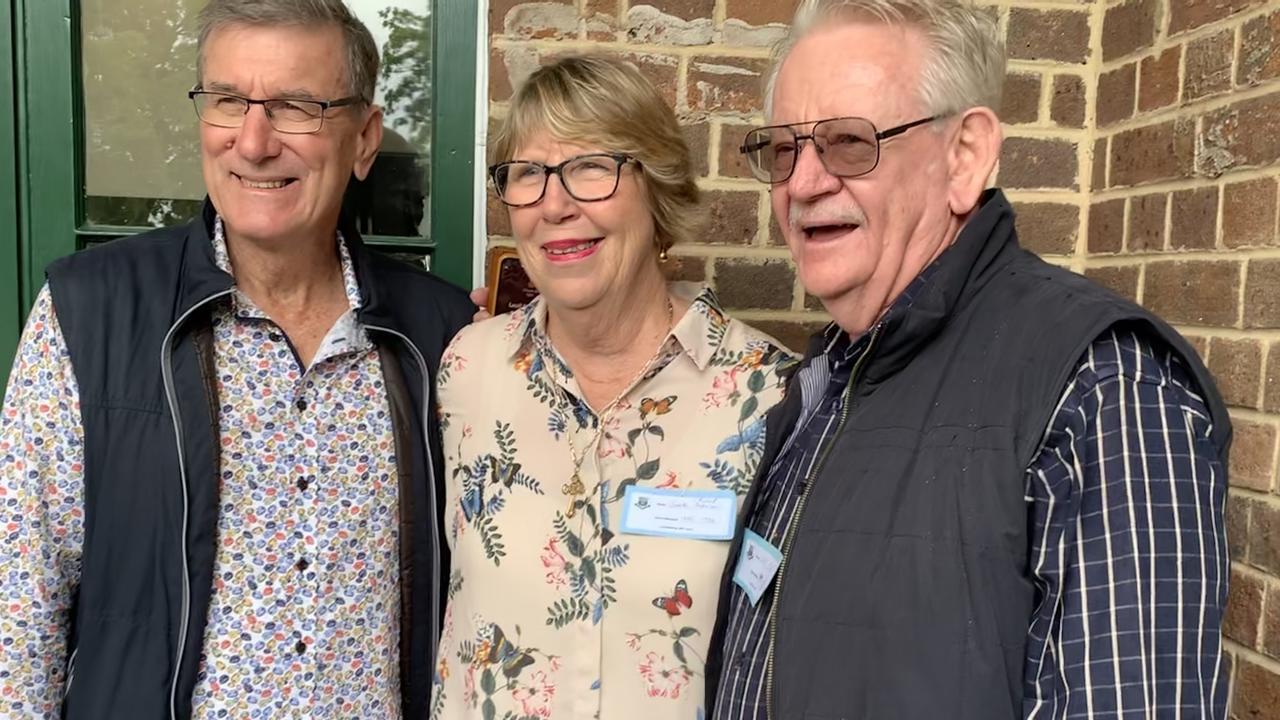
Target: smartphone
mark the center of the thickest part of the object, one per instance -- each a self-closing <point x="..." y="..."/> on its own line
<point x="509" y="286"/>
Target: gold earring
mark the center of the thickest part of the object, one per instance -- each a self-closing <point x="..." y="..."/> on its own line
<point x="662" y="254"/>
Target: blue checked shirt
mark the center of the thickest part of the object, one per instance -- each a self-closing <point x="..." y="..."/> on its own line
<point x="1129" y="555"/>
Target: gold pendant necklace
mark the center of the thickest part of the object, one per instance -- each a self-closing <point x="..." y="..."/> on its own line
<point x="575" y="488"/>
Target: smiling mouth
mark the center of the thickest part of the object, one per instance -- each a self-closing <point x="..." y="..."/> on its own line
<point x="561" y="249"/>
<point x="264" y="184"/>
<point x="828" y="232"/>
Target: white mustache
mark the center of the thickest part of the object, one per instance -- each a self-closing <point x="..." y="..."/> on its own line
<point x="798" y="216"/>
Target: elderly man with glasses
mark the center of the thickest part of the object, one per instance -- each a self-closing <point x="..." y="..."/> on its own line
<point x="219" y="448"/>
<point x="994" y="489"/>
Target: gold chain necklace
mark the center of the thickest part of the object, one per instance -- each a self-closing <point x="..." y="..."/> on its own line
<point x="575" y="487"/>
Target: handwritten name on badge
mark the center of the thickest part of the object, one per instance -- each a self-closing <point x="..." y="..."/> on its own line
<point x="691" y="514"/>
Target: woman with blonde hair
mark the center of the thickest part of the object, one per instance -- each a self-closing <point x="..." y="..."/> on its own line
<point x="598" y="441"/>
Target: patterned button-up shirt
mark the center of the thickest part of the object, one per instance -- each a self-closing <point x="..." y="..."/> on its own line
<point x="1128" y="546"/>
<point x="552" y="615"/>
<point x="304" y="615"/>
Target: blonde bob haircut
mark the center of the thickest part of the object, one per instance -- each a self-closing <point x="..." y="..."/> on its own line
<point x="608" y="103"/>
<point x="965" y="67"/>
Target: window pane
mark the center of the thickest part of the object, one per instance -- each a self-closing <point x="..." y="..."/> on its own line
<point x="141" y="154"/>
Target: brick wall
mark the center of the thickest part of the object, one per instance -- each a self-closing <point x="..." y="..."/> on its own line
<point x="1142" y="149"/>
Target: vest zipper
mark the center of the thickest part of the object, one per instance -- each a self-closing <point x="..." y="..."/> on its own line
<point x="71" y="673"/>
<point x="789" y="537"/>
<point x="171" y="397"/>
<point x="432" y="501"/>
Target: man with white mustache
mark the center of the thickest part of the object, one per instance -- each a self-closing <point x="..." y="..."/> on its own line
<point x="994" y="489"/>
<point x="219" y="445"/>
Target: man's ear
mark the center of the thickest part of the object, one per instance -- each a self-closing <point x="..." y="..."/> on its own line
<point x="974" y="152"/>
<point x="368" y="142"/>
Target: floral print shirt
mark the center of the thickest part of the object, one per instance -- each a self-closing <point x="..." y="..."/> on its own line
<point x="559" y="614"/>
<point x="304" y="615"/>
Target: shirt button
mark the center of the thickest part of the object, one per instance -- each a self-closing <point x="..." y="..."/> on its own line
<point x="302" y="483"/>
<point x="302" y="564"/>
<point x="301" y="405"/>
<point x="300" y="648"/>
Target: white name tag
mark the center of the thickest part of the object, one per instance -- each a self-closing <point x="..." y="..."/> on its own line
<point x="692" y="514"/>
<point x="758" y="562"/>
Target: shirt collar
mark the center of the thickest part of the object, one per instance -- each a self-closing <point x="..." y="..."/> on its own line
<point x="841" y="349"/>
<point x="244" y="307"/>
<point x="698" y="334"/>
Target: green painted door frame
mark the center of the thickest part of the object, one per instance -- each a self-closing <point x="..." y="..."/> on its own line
<point x="42" y="213"/>
<point x="10" y="288"/>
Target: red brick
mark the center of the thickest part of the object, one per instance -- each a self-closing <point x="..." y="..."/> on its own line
<point x="1067" y="108"/>
<point x="1158" y="79"/>
<point x="1259" y="50"/>
<point x="1038" y="163"/>
<point x="733" y="217"/>
<point x="1237" y="367"/>
<point x="1245" y="134"/>
<point x="1193" y="222"/>
<point x="1061" y="35"/>
<point x="792" y="334"/>
<point x="1020" y="101"/>
<point x="499" y="80"/>
<point x="1249" y="213"/>
<point x="1146" y="222"/>
<point x="1271" y="622"/>
<point x="762" y="12"/>
<point x="1128" y="27"/>
<point x="1189" y="14"/>
<point x="1119" y="279"/>
<point x="1199" y="343"/>
<point x="1257" y="692"/>
<point x="662" y="70"/>
<point x="726" y="84"/>
<point x="497" y="218"/>
<point x="649" y="25"/>
<point x="602" y="20"/>
<point x="1264" y="536"/>
<point x="542" y="21"/>
<point x="697" y="135"/>
<point x="742" y="283"/>
<point x="1271" y="402"/>
<point x="1117" y="91"/>
<point x="1244" y="609"/>
<point x="1237" y="520"/>
<point x="1099" y="179"/>
<point x="1262" y="294"/>
<point x="1048" y="228"/>
<point x="1195" y="292"/>
<point x="690" y="268"/>
<point x="1106" y="227"/>
<point x="684" y="9"/>
<point x="732" y="162"/>
<point x="1209" y="65"/>
<point x="1163" y="151"/>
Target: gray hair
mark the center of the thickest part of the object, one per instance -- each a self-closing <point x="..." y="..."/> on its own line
<point x="362" y="51"/>
<point x="966" y="67"/>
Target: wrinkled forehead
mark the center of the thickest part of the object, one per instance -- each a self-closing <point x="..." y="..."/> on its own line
<point x="290" y="60"/>
<point x="869" y="70"/>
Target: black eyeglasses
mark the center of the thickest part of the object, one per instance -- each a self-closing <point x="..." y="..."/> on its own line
<point x="587" y="178"/>
<point x="847" y="146"/>
<point x="286" y="115"/>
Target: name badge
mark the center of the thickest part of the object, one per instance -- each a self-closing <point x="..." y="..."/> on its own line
<point x="758" y="562"/>
<point x="692" y="514"/>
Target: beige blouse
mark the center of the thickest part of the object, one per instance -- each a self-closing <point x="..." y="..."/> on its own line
<point x="560" y="613"/>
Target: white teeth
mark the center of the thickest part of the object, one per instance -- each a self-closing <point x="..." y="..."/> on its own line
<point x="265" y="184"/>
<point x="570" y="250"/>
